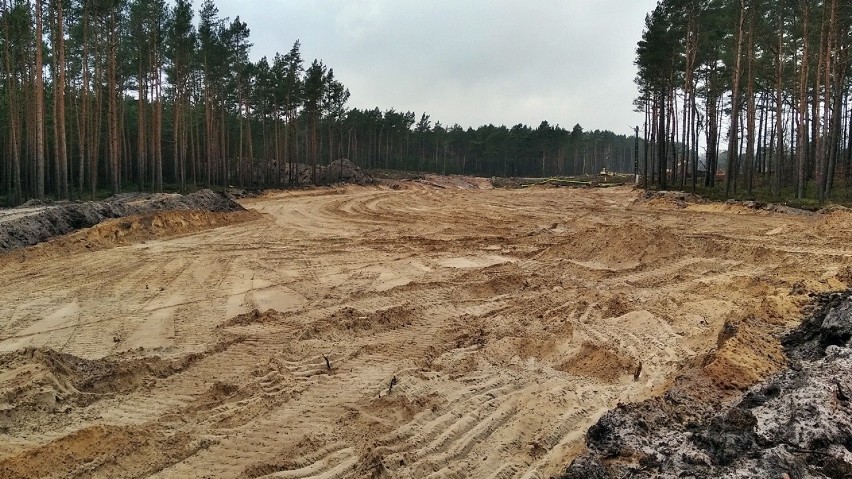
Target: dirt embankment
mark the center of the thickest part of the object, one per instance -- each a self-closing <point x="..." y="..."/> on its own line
<point x="796" y="424"/>
<point x="338" y="171"/>
<point x="34" y="223"/>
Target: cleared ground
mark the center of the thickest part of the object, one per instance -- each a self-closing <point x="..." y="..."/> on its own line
<point x="406" y="333"/>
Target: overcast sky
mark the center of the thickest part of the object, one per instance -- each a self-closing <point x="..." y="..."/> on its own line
<point x="470" y="62"/>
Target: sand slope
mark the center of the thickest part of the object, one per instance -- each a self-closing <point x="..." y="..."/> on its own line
<point x="371" y="332"/>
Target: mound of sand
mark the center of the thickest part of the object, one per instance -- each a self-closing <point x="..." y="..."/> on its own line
<point x="40" y="380"/>
<point x="618" y="243"/>
<point x="353" y="321"/>
<point x="600" y="362"/>
<point x="27" y="225"/>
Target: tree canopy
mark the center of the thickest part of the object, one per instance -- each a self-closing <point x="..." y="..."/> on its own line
<point x="749" y="92"/>
<point x="111" y="95"/>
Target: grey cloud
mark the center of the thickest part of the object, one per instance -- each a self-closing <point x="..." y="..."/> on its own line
<point x="468" y="62"/>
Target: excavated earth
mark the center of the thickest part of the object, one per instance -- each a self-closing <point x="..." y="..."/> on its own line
<point x="36" y="222"/>
<point x="797" y="423"/>
<point x="424" y="329"/>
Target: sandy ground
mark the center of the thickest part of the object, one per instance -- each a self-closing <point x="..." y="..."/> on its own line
<point x="377" y="332"/>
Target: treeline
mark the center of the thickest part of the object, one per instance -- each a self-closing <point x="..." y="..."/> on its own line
<point x="761" y="88"/>
<point x="111" y="95"/>
<point x="393" y="140"/>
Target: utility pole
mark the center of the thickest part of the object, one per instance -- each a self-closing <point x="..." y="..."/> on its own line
<point x="636" y="156"/>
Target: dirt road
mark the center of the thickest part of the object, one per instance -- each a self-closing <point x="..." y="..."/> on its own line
<point x="370" y="332"/>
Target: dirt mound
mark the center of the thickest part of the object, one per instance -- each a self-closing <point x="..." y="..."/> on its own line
<point x="26" y="226"/>
<point x="338" y="171"/>
<point x="833" y="221"/>
<point x="254" y="317"/>
<point x="139" y="228"/>
<point x="797" y="423"/>
<point x="443" y="182"/>
<point x="102" y="451"/>
<point x="669" y="198"/>
<point x="625" y="243"/>
<point x="353" y="321"/>
<point x="595" y="361"/>
<point x="456" y="182"/>
<point x="43" y="380"/>
<point x="493" y="281"/>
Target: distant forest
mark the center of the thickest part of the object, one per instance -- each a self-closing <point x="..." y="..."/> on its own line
<point x="766" y="80"/>
<point x="109" y="95"/>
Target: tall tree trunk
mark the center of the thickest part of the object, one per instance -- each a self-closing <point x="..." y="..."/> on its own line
<point x="833" y="86"/>
<point x="779" y="106"/>
<point x="735" y="107"/>
<point x="14" y="186"/>
<point x="158" y="120"/>
<point x="38" y="92"/>
<point x="661" y="139"/>
<point x="141" y="115"/>
<point x="60" y="138"/>
<point x="803" y="103"/>
<point x="645" y="163"/>
<point x="818" y="131"/>
<point x="750" y="105"/>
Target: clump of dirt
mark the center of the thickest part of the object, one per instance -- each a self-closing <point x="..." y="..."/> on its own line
<point x="355" y="322"/>
<point x="254" y="317"/>
<point x="338" y="171"/>
<point x="600" y="362"/>
<point x="797" y="423"/>
<point x="666" y="198"/>
<point x="26" y="226"/>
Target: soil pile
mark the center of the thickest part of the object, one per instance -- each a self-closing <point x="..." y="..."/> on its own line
<point x="353" y="321"/>
<point x="29" y="225"/>
<point x="442" y="182"/>
<point x="797" y="423"/>
<point x="338" y="171"/>
<point x="676" y="198"/>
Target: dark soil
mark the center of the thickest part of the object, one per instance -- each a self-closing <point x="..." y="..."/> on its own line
<point x="796" y="424"/>
<point x="31" y="223"/>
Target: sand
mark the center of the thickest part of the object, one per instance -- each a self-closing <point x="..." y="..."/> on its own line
<point x="380" y="332"/>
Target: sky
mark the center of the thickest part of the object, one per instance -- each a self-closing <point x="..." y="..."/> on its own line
<point x="471" y="62"/>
